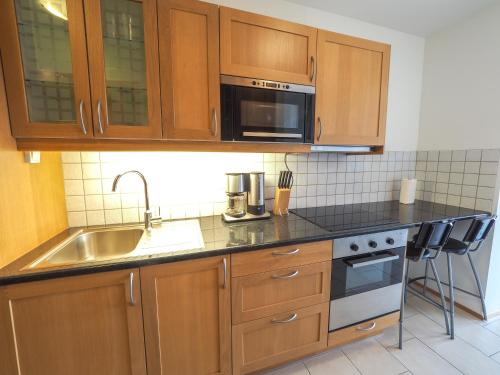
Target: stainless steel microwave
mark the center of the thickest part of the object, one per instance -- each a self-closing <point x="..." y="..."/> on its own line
<point x="266" y="111"/>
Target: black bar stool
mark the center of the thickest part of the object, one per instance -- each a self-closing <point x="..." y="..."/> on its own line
<point x="472" y="241"/>
<point x="426" y="246"/>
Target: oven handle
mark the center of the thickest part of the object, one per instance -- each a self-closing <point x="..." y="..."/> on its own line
<point x="358" y="263"/>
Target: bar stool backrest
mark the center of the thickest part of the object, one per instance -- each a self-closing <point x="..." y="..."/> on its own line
<point x="433" y="235"/>
<point x="479" y="229"/>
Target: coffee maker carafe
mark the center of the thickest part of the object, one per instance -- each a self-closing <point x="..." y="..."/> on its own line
<point x="245" y="197"/>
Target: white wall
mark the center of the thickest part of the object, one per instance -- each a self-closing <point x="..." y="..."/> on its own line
<point x="461" y="90"/>
<point x="461" y="111"/>
<point x="406" y="61"/>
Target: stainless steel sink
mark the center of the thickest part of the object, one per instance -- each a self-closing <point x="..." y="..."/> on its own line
<point x="91" y="245"/>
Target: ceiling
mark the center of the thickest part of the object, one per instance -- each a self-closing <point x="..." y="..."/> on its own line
<point x="418" y="17"/>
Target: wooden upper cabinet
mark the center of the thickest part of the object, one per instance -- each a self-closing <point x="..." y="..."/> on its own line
<point x="189" y="56"/>
<point x="187" y="317"/>
<point x="257" y="46"/>
<point x="122" y="40"/>
<point x="78" y="325"/>
<point x="351" y="90"/>
<point x="45" y="66"/>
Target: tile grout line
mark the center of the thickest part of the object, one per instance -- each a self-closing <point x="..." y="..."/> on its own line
<point x="458" y="336"/>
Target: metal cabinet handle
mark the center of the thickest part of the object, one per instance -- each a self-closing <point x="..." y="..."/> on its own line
<point x="320" y="129"/>
<point x="224" y="264"/>
<point x="215" y="125"/>
<point x="289" y="276"/>
<point x="372" y="326"/>
<point x="99" y="116"/>
<point x="292" y="252"/>
<point x="313" y="69"/>
<point x="290" y="319"/>
<point x="82" y="122"/>
<point x="131" y="282"/>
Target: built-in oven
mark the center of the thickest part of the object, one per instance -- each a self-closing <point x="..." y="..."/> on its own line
<point x="367" y="274"/>
<point x="266" y="111"/>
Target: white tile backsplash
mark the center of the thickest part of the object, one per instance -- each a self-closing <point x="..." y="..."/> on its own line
<point x="469" y="184"/>
<point x="192" y="184"/>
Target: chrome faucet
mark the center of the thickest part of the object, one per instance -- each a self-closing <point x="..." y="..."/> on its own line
<point x="148" y="215"/>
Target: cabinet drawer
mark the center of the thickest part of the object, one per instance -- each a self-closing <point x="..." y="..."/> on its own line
<point x="280" y="338"/>
<point x="263" y="294"/>
<point x="362" y="330"/>
<point x="281" y="257"/>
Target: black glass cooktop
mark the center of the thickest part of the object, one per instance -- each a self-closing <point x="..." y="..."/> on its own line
<point x="352" y="216"/>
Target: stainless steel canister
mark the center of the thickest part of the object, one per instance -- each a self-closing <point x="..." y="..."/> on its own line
<point x="256" y="193"/>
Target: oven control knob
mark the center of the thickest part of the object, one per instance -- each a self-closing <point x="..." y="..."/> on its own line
<point x="354" y="247"/>
<point x="390" y="241"/>
<point x="254" y="83"/>
<point x="372" y="244"/>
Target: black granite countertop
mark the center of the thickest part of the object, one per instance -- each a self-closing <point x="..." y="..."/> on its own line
<point x="220" y="238"/>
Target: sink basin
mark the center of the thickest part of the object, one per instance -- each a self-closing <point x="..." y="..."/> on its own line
<point x="88" y="246"/>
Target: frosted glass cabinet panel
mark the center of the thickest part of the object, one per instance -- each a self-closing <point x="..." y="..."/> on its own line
<point x="123" y="54"/>
<point x="81" y="68"/>
<point x="45" y="63"/>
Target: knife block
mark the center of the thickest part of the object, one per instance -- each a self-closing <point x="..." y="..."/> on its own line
<point x="281" y="200"/>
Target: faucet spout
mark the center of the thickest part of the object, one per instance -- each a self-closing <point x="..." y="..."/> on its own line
<point x="148" y="216"/>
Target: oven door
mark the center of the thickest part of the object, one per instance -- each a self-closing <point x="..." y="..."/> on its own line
<point x="264" y="115"/>
<point x="366" y="272"/>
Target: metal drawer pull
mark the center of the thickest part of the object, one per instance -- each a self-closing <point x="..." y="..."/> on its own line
<point x="132" y="297"/>
<point x="320" y="129"/>
<point x="99" y="116"/>
<point x="293" y="252"/>
<point x="82" y="122"/>
<point x="224" y="263"/>
<point x="215" y="124"/>
<point x="372" y="326"/>
<point x="289" y="276"/>
<point x="376" y="259"/>
<point x="313" y="69"/>
<point x="290" y="319"/>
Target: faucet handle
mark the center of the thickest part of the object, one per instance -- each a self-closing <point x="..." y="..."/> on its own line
<point x="156" y="220"/>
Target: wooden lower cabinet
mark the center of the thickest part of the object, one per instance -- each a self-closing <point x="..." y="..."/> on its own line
<point x="187" y="317"/>
<point x="360" y="331"/>
<point x="263" y="294"/>
<point x="270" y="341"/>
<point x="77" y="325"/>
<point x="278" y="258"/>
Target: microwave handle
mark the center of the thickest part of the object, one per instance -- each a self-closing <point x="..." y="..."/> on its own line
<point x="376" y="259"/>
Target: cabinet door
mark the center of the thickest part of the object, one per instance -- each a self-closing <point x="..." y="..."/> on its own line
<point x="257" y="46"/>
<point x="45" y="65"/>
<point x="187" y="317"/>
<point x="122" y="40"/>
<point x="189" y="56"/>
<point x="351" y="93"/>
<point x="79" y="325"/>
<point x="268" y="342"/>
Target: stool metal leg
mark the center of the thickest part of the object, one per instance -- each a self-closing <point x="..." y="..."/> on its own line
<point x="452" y="296"/>
<point x="479" y="286"/>
<point x="402" y="308"/>
<point x="441" y="294"/>
<point x="405" y="294"/>
<point x="425" y="280"/>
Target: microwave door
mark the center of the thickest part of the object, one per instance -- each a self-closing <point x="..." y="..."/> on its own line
<point x="268" y="114"/>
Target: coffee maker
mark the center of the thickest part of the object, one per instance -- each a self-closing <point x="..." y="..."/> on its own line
<point x="245" y="197"/>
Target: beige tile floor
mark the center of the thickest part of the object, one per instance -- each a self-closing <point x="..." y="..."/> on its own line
<point x="426" y="349"/>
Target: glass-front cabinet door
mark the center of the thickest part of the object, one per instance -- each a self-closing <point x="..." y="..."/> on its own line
<point x="124" y="72"/>
<point x="44" y="60"/>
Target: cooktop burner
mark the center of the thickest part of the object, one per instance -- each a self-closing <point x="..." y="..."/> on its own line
<point x="353" y="216"/>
